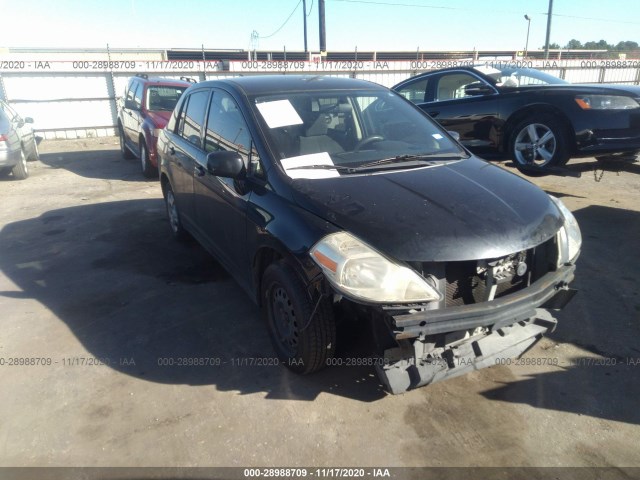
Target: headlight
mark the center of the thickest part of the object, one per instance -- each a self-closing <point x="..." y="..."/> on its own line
<point x="569" y="236"/>
<point x="357" y="270"/>
<point x="606" y="102"/>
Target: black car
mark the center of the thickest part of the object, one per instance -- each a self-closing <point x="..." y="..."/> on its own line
<point x="538" y="120"/>
<point x="332" y="198"/>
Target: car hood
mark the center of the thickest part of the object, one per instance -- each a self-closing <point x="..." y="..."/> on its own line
<point x="159" y="118"/>
<point x="459" y="211"/>
<point x="631" y="90"/>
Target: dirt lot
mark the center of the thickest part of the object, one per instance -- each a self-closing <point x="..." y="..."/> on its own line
<point x="89" y="274"/>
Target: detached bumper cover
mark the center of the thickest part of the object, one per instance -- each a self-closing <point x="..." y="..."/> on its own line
<point x="477" y="353"/>
<point x="499" y="312"/>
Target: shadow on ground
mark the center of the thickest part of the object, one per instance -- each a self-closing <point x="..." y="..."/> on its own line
<point x="131" y="294"/>
<point x="96" y="164"/>
<point x="603" y="320"/>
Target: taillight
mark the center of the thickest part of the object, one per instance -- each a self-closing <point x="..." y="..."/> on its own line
<point x="3" y="138"/>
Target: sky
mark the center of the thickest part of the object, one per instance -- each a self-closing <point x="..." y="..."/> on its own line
<point x="379" y="25"/>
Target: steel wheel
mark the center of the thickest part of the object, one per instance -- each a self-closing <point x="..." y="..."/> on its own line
<point x="302" y="330"/>
<point x="284" y="320"/>
<point x="172" y="211"/>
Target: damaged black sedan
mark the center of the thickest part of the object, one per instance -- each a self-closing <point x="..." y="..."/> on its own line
<point x="323" y="195"/>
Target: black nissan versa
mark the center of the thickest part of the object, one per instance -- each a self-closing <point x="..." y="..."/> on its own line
<point x="337" y="198"/>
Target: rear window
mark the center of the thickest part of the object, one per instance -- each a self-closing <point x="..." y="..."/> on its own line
<point x="163" y="98"/>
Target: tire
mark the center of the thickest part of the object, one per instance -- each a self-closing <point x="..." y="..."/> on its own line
<point x="539" y="142"/>
<point x="302" y="342"/>
<point x="20" y="170"/>
<point x="177" y="230"/>
<point x="124" y="150"/>
<point x="148" y="170"/>
<point x="35" y="154"/>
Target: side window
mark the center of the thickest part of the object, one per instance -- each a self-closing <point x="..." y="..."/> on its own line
<point x="227" y="130"/>
<point x="137" y="97"/>
<point x="415" y="92"/>
<point x="192" y="117"/>
<point x="452" y="86"/>
<point x="131" y="90"/>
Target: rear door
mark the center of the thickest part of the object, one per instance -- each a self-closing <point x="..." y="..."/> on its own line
<point x="184" y="151"/>
<point x="131" y="114"/>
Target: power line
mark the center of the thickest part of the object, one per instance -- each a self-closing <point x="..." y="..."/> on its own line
<point x="285" y="22"/>
<point x="311" y="7"/>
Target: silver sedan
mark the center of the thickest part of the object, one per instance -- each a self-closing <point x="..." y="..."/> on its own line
<point x="17" y="143"/>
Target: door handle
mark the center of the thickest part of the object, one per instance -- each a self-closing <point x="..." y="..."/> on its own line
<point x="200" y="171"/>
<point x="433" y="114"/>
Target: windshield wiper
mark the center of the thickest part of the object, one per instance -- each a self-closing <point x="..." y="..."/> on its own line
<point x="339" y="168"/>
<point x="430" y="159"/>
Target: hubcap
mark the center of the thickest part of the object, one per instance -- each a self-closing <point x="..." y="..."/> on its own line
<point x="535" y="144"/>
<point x="172" y="210"/>
<point x="285" y="321"/>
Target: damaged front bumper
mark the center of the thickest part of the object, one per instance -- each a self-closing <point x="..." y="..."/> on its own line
<point x="488" y="331"/>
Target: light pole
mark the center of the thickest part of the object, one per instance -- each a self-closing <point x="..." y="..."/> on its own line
<point x="526" y="45"/>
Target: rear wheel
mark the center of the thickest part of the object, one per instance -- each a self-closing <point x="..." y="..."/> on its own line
<point x="175" y="224"/>
<point x="20" y="170"/>
<point x="148" y="170"/>
<point x="303" y="333"/>
<point x="539" y="143"/>
<point x="124" y="150"/>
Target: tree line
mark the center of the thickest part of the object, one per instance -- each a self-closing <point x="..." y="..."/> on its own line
<point x="574" y="44"/>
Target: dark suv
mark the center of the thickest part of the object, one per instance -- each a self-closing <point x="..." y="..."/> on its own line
<point x="333" y="199"/>
<point x="146" y="106"/>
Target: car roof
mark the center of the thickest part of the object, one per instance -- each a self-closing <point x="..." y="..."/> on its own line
<point x="268" y="84"/>
<point x="162" y="81"/>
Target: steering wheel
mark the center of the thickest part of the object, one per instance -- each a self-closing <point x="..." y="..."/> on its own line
<point x="366" y="141"/>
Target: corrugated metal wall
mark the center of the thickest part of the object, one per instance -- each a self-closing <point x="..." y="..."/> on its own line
<point x="72" y="104"/>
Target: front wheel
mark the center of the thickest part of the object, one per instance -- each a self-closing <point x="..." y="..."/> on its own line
<point x="538" y="143"/>
<point x="20" y="170"/>
<point x="303" y="332"/>
<point x="148" y="170"/>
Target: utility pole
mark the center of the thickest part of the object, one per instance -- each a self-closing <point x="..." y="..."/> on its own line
<point x="546" y="43"/>
<point x="304" y="17"/>
<point x="323" y="33"/>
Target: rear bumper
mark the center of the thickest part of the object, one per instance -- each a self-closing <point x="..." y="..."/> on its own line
<point x="551" y="289"/>
<point x="9" y="158"/>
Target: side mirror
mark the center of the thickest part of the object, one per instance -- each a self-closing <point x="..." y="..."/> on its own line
<point x="225" y="164"/>
<point x="455" y="135"/>
<point x="478" y="88"/>
<point x="130" y="104"/>
<point x="28" y="120"/>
